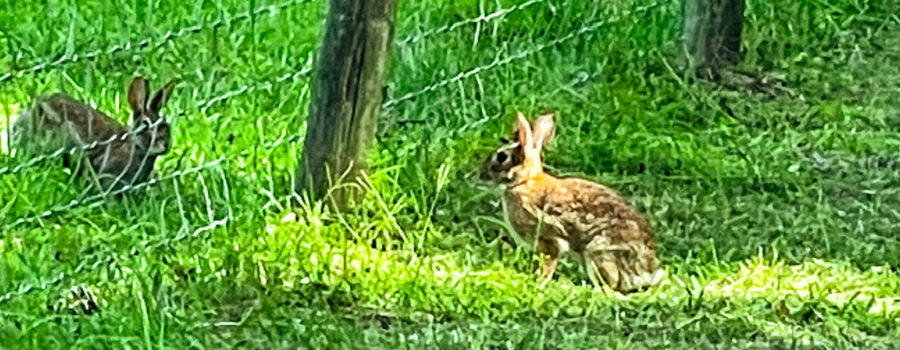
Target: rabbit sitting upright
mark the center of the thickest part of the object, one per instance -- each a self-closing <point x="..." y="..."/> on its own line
<point x="562" y="215"/>
<point x="121" y="156"/>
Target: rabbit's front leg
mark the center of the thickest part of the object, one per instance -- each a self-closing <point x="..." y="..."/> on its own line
<point x="548" y="268"/>
<point x="550" y="252"/>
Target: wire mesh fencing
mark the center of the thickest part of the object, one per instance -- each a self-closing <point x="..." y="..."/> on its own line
<point x="301" y="74"/>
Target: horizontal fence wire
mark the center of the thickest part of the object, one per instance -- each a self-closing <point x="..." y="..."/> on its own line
<point x="570" y="85"/>
<point x="304" y="71"/>
<point x="150" y="42"/>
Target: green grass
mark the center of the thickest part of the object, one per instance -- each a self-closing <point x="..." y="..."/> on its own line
<point x="777" y="216"/>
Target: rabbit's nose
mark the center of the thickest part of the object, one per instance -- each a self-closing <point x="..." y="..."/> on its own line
<point x="161" y="147"/>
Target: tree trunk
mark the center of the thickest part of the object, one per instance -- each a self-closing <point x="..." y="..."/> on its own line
<point x="712" y="35"/>
<point x="347" y="94"/>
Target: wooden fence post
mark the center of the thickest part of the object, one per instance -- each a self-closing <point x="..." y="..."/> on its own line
<point x="347" y="95"/>
<point x="712" y="34"/>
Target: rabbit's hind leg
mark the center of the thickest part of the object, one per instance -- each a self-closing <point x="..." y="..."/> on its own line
<point x="600" y="262"/>
<point x="602" y="269"/>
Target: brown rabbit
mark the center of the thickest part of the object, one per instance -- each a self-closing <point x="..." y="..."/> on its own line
<point x="562" y="215"/>
<point x="121" y="156"/>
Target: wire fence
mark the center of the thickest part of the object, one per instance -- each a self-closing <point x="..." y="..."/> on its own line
<point x="204" y="105"/>
<point x="107" y="258"/>
<point x="304" y="71"/>
<point x="499" y="62"/>
<point x="153" y="43"/>
<point x="480" y="19"/>
<point x="49" y="282"/>
<point x="98" y="199"/>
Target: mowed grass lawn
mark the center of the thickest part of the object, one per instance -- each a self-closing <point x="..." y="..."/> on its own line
<point x="776" y="207"/>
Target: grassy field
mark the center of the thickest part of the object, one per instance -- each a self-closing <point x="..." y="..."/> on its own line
<point x="777" y="210"/>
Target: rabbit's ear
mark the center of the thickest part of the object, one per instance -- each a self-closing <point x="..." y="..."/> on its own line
<point x="524" y="130"/>
<point x="162" y="96"/>
<point x="544" y="127"/>
<point x="137" y="94"/>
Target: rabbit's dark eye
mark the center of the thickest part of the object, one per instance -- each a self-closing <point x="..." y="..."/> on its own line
<point x="501" y="157"/>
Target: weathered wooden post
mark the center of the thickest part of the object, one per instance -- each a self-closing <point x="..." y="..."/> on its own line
<point x="347" y="96"/>
<point x="712" y="34"/>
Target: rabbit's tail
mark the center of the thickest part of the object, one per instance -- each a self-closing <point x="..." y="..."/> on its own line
<point x="643" y="268"/>
<point x="645" y="280"/>
<point x="23" y="129"/>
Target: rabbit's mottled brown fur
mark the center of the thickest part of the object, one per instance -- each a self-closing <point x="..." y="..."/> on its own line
<point x="561" y="215"/>
<point x="59" y="121"/>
